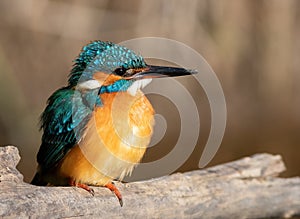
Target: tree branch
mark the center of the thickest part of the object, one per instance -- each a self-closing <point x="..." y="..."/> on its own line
<point x="246" y="188"/>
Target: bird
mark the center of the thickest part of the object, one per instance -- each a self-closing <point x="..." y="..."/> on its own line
<point x="96" y="129"/>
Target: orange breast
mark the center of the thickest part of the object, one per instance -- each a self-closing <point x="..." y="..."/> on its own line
<point x="115" y="140"/>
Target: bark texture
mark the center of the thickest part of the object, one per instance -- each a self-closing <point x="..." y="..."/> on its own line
<point x="246" y="188"/>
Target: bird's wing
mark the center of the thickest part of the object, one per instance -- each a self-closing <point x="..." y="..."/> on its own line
<point x="63" y="123"/>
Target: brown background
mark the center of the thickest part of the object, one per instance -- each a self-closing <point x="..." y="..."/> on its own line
<point x="253" y="46"/>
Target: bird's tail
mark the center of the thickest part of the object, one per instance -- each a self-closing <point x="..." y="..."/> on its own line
<point x="38" y="180"/>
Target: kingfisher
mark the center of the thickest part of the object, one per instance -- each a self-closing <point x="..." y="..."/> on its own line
<point x="97" y="128"/>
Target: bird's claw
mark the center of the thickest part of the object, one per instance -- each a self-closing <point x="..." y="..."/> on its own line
<point x="111" y="186"/>
<point x="83" y="186"/>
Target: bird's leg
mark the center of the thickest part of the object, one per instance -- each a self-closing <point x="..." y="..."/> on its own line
<point x="111" y="186"/>
<point x="81" y="185"/>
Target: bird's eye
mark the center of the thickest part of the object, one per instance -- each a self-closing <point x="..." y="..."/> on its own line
<point x="120" y="71"/>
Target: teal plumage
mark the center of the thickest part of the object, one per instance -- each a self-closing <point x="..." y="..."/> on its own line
<point x="88" y="54"/>
<point x="104" y="57"/>
<point x="63" y="123"/>
<point x="121" y="85"/>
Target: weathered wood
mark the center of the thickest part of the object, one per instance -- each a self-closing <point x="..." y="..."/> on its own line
<point x="247" y="188"/>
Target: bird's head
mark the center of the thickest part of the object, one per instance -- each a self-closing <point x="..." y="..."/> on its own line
<point x="113" y="68"/>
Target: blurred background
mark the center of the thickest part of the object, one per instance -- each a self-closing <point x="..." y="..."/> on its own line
<point x="253" y="46"/>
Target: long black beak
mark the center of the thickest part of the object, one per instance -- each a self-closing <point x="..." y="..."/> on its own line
<point x="152" y="71"/>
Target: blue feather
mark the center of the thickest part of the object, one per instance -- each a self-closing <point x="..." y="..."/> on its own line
<point x="105" y="57"/>
<point x="63" y="123"/>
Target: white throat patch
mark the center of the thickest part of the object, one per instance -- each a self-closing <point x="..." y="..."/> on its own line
<point x="137" y="85"/>
<point x="89" y="85"/>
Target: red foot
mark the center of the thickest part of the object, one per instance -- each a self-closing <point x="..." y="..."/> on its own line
<point x="81" y="185"/>
<point x="116" y="191"/>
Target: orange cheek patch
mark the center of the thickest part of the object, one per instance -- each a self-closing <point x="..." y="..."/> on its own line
<point x="106" y="79"/>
